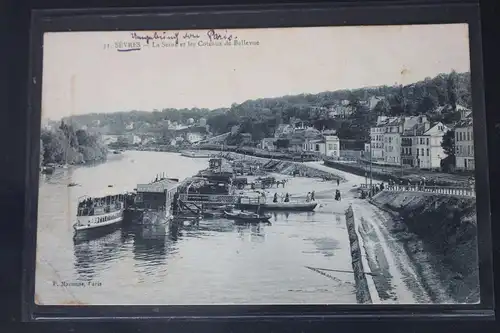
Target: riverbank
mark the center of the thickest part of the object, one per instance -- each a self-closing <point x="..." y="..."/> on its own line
<point x="440" y="235"/>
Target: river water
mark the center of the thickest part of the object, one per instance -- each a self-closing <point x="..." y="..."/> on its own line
<point x="215" y="263"/>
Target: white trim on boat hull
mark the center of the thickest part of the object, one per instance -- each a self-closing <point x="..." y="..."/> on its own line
<point x="92" y="225"/>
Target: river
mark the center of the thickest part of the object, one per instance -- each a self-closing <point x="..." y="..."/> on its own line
<point x="215" y="263"/>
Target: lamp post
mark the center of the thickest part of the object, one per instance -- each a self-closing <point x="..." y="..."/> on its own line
<point x="371" y="175"/>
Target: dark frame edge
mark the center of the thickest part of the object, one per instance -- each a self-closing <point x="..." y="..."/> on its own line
<point x="30" y="312"/>
<point x="481" y="131"/>
<point x="33" y="121"/>
<point x="212" y="9"/>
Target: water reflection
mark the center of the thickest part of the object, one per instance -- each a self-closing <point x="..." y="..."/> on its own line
<point x="150" y="242"/>
<point x="92" y="254"/>
<point x="253" y="233"/>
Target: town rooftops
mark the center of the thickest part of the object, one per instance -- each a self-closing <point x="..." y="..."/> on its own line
<point x="417" y="129"/>
<point x="467" y="122"/>
<point x="159" y="186"/>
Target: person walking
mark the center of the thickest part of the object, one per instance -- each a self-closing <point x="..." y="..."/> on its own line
<point x="308" y="197"/>
<point x="312" y="196"/>
<point x="287" y="197"/>
<point x="275" y="199"/>
<point x="338" y="182"/>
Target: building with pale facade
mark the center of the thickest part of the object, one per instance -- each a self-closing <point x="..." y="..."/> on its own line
<point x="327" y="145"/>
<point x="386" y="138"/>
<point x="421" y="146"/>
<point x="464" y="145"/>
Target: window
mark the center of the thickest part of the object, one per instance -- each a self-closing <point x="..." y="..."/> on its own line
<point x="427" y="151"/>
<point x="468" y="136"/>
<point x="458" y="150"/>
<point x="330" y="146"/>
<point x="427" y="141"/>
<point x="417" y="152"/>
<point x="422" y="151"/>
<point x="468" y="150"/>
<point x="460" y="136"/>
<point x="317" y="147"/>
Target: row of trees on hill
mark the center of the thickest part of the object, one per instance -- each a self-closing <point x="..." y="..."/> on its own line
<point x="65" y="145"/>
<point x="260" y="117"/>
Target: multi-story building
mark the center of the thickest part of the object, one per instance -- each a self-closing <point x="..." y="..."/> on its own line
<point x="194" y="137"/>
<point x="377" y="141"/>
<point x="386" y="137"/>
<point x="328" y="145"/>
<point x="283" y="130"/>
<point x="268" y="144"/>
<point x="421" y="145"/>
<point x="464" y="145"/>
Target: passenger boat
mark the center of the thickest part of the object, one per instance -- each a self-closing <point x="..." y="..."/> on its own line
<point x="246" y="217"/>
<point x="280" y="206"/>
<point x="99" y="212"/>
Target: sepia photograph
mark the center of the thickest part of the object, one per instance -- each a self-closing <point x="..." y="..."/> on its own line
<point x="311" y="165"/>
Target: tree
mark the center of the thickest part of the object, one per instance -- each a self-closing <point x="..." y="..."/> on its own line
<point x="427" y="104"/>
<point x="451" y="86"/>
<point x="448" y="143"/>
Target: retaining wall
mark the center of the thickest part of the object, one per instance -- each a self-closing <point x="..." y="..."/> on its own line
<point x="447" y="228"/>
<point x="365" y="287"/>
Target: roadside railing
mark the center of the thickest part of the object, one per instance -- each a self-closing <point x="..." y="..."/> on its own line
<point x="444" y="190"/>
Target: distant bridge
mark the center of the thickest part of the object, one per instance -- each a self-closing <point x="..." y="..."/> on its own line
<point x="216" y="139"/>
<point x="443" y="190"/>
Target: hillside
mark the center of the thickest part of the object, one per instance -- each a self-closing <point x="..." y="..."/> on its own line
<point x="260" y="117"/>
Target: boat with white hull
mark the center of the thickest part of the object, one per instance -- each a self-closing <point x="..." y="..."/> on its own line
<point x="98" y="213"/>
<point x="278" y="206"/>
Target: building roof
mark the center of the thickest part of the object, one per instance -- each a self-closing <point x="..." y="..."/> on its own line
<point x="417" y="129"/>
<point x="467" y="122"/>
<point x="159" y="186"/>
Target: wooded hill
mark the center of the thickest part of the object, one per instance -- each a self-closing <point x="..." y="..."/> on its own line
<point x="260" y="117"/>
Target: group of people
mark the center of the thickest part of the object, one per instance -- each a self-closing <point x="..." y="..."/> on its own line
<point x="310" y="196"/>
<point x="285" y="198"/>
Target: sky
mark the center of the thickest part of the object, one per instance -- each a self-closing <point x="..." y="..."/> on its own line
<point x="83" y="72"/>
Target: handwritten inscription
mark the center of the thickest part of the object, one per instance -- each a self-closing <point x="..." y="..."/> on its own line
<point x="152" y="40"/>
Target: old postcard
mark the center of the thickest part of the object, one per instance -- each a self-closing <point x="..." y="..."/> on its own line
<point x="322" y="165"/>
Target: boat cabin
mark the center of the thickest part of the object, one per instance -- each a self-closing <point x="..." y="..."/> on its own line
<point x="215" y="163"/>
<point x="90" y="206"/>
<point x="156" y="195"/>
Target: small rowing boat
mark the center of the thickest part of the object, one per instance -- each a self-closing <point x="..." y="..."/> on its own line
<point x="281" y="206"/>
<point x="246" y="217"/>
